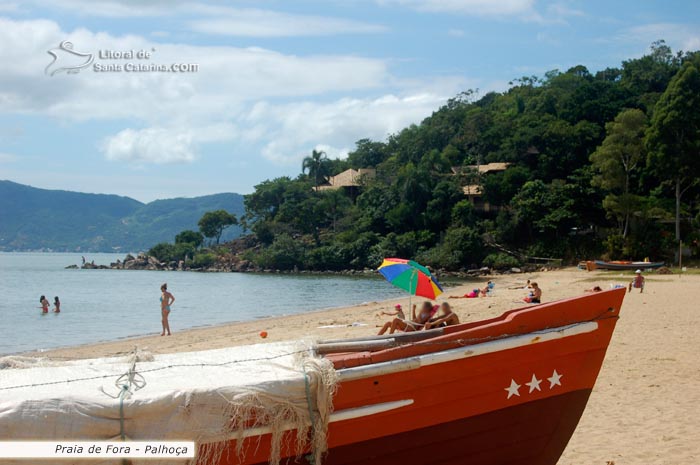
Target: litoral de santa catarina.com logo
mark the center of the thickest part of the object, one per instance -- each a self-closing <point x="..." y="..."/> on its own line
<point x="70" y="61"/>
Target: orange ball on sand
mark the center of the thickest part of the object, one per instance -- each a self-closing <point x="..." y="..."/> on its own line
<point x="263" y="334"/>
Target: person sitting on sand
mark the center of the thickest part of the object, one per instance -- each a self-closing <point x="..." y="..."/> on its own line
<point x="398" y="312"/>
<point x="447" y="317"/>
<point x="56" y="305"/>
<point x="637" y="282"/>
<point x="535" y="296"/>
<point x="166" y="300"/>
<point x="486" y="289"/>
<point x="416" y="323"/>
<point x="44" y="304"/>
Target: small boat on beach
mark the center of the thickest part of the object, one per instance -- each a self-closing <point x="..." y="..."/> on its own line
<point x="506" y="390"/>
<point x="625" y="265"/>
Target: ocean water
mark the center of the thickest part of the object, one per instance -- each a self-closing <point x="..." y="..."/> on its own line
<point x="100" y="305"/>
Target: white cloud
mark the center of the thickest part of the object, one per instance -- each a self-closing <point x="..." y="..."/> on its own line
<point x="151" y="145"/>
<point x="8" y="7"/>
<point x="218" y="19"/>
<point x="455" y="33"/>
<point x="522" y="10"/>
<point x="114" y="8"/>
<point x="678" y="36"/>
<point x="563" y="10"/>
<point x="7" y="158"/>
<point x="256" y="99"/>
<point x="266" y="23"/>
<point x="295" y="129"/>
<point x="163" y="145"/>
<point x="227" y="78"/>
<point x="468" y="7"/>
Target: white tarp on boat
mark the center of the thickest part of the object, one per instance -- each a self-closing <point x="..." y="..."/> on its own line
<point x="206" y="396"/>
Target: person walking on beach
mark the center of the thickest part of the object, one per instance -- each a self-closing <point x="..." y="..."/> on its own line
<point x="56" y="305"/>
<point x="166" y="300"/>
<point x="44" y="304"/>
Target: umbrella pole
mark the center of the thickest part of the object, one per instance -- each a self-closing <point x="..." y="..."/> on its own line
<point x="410" y="296"/>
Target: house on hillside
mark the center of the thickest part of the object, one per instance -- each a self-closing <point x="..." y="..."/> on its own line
<point x="473" y="190"/>
<point x="349" y="179"/>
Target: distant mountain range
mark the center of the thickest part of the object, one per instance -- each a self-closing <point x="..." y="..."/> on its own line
<point x="64" y="221"/>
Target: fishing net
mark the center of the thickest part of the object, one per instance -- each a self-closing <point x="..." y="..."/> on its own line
<point x="281" y="392"/>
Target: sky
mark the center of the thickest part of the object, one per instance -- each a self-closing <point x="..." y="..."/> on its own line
<point x="219" y="96"/>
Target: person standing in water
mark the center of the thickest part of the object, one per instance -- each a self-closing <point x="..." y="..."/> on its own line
<point x="56" y="305"/>
<point x="166" y="300"/>
<point x="44" y="304"/>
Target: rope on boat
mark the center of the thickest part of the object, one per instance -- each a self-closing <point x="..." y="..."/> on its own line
<point x="307" y="387"/>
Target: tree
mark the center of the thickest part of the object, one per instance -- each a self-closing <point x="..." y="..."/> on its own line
<point x="190" y="237"/>
<point x="266" y="200"/>
<point x="616" y="159"/>
<point x="212" y="224"/>
<point x="317" y="165"/>
<point x="332" y="204"/>
<point x="367" y="154"/>
<point x="674" y="136"/>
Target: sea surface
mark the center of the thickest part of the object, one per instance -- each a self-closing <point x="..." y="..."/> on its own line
<point x="100" y="305"/>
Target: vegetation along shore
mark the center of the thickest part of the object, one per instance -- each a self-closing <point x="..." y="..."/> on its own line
<point x="568" y="166"/>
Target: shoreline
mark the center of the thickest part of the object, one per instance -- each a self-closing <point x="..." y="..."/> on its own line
<point x="643" y="408"/>
<point x="247" y="331"/>
<point x="193" y="329"/>
<point x="345" y="321"/>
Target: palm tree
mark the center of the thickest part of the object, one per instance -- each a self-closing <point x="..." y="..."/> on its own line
<point x="317" y="165"/>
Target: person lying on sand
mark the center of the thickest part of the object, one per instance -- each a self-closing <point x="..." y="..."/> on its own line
<point x="469" y="295"/>
<point x="416" y="323"/>
<point x="447" y="317"/>
<point x="483" y="292"/>
<point x="594" y="289"/>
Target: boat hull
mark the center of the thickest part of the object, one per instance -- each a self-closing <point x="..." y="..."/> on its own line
<point x="534" y="433"/>
<point x="489" y="400"/>
<point x="601" y="265"/>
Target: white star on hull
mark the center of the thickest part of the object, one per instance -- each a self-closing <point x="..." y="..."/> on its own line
<point x="555" y="379"/>
<point x="513" y="389"/>
<point x="534" y="384"/>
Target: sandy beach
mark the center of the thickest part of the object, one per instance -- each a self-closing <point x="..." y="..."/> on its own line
<point x="644" y="409"/>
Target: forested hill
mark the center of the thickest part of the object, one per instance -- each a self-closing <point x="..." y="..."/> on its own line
<point x="41" y="219"/>
<point x="583" y="164"/>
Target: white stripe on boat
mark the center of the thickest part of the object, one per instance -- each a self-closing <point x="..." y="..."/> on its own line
<point x="367" y="410"/>
<point x="340" y="415"/>
<point x="415" y="362"/>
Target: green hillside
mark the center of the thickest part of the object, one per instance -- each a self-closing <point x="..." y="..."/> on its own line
<point x="41" y="219"/>
<point x="571" y="165"/>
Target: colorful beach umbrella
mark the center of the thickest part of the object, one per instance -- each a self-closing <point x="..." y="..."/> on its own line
<point x="410" y="276"/>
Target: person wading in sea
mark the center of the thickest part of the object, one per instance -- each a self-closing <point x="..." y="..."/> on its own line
<point x="166" y="300"/>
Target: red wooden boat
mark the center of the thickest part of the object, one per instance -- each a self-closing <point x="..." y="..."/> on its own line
<point x="509" y="390"/>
